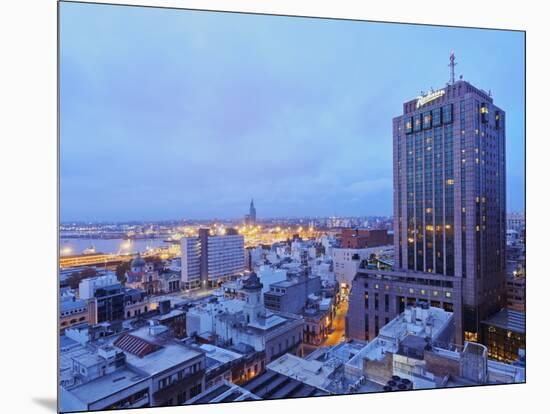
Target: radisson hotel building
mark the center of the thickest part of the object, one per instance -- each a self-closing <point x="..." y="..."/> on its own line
<point x="449" y="194"/>
<point x="449" y="215"/>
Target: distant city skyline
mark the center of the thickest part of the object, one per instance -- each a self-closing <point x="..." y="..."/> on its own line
<point x="209" y="110"/>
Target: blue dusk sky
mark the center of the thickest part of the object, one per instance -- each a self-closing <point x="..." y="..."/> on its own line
<point x="170" y="114"/>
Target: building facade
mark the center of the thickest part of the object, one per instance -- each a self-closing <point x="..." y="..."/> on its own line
<point x="449" y="194"/>
<point x="515" y="221"/>
<point x="291" y="295"/>
<point x="361" y="238"/>
<point x="378" y="296"/>
<point x="208" y="259"/>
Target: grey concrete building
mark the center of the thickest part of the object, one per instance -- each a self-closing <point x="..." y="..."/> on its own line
<point x="291" y="295"/>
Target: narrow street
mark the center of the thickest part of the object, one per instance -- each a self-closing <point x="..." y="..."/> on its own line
<point x="338" y="325"/>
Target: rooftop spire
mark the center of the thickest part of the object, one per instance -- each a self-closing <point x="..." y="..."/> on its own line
<point x="452" y="65"/>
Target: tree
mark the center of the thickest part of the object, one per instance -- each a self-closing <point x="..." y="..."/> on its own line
<point x="74" y="279"/>
<point x="121" y="271"/>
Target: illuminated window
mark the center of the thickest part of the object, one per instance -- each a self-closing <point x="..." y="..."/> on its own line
<point x="417" y="126"/>
<point x="435" y="293"/>
<point x="447" y="294"/>
<point x="423" y="291"/>
<point x="426" y="120"/>
<point x="411" y="291"/>
<point x="450" y="181"/>
<point x="408" y="126"/>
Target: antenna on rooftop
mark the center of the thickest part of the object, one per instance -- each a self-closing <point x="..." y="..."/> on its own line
<point x="452" y="65"/>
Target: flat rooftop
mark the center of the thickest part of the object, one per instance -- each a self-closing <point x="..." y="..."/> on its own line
<point x="165" y="358"/>
<point x="220" y="354"/>
<point x="311" y="372"/>
<point x="508" y="319"/>
<point x="107" y="385"/>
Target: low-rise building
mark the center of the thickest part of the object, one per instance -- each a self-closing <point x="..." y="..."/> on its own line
<point x="72" y="312"/>
<point x="228" y="322"/>
<point x="504" y="335"/>
<point x="378" y="296"/>
<point x="139" y="368"/>
<point x="291" y="295"/>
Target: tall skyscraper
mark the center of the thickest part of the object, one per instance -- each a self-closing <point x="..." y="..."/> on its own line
<point x="449" y="193"/>
<point x="252" y="212"/>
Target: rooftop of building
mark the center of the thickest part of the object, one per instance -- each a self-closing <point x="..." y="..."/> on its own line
<point x="411" y="327"/>
<point x="169" y="315"/>
<point x="311" y="372"/>
<point x="460" y="85"/>
<point x="223" y="392"/>
<point x="151" y="351"/>
<point x="508" y="319"/>
<point x="169" y="356"/>
<point x="107" y="385"/>
<point x="273" y="385"/>
<point x="423" y="321"/>
<point x="220" y="355"/>
<point x="70" y="305"/>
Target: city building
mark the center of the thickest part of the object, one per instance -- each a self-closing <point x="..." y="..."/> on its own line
<point x="504" y="334"/>
<point x="318" y="315"/>
<point x="415" y="326"/>
<point x="88" y="287"/>
<point x="515" y="292"/>
<point x="231" y="322"/>
<point x="347" y="261"/>
<point x="136" y="302"/>
<point x="208" y="260"/>
<point x="173" y="319"/>
<point x="273" y="385"/>
<point x="223" y="391"/>
<point x="515" y="221"/>
<point x="140" y="368"/>
<point x="418" y="347"/>
<point x="250" y="218"/>
<point x="450" y="194"/>
<point x="72" y="312"/>
<point x="291" y="295"/>
<point x="379" y="296"/>
<point x="360" y="238"/>
<point x="104" y="296"/>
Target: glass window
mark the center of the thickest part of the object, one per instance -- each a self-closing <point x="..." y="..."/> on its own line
<point x="484" y="110"/>
<point x="417" y="123"/>
<point x="408" y="125"/>
<point x="427" y="120"/>
<point x="447" y="114"/>
<point x="436" y="117"/>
